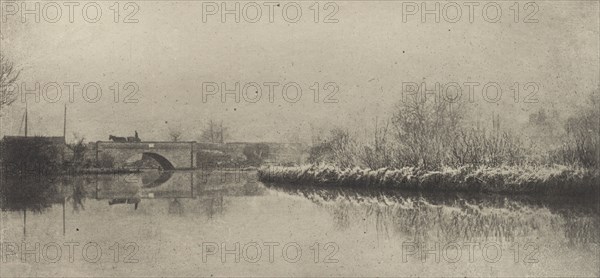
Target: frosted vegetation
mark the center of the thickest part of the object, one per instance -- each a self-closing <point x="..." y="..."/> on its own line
<point x="505" y="179"/>
<point x="429" y="145"/>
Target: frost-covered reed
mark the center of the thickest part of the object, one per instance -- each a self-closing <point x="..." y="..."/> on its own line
<point x="507" y="179"/>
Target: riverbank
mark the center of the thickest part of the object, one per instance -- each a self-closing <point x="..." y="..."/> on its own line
<point x="505" y="180"/>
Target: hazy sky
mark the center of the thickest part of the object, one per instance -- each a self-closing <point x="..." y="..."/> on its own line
<point x="170" y="52"/>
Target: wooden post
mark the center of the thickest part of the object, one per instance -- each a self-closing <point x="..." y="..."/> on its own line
<point x="26" y="120"/>
<point x="64" y="225"/>
<point x="24" y="223"/>
<point x="97" y="187"/>
<point x="65" y="124"/>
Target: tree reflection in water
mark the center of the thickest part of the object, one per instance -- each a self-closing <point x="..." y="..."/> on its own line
<point x="77" y="196"/>
<point x="452" y="217"/>
<point x="34" y="194"/>
<point x="21" y="193"/>
<point x="176" y="207"/>
<point x="214" y="205"/>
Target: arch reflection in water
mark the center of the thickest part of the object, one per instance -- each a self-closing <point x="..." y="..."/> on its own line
<point x="182" y="191"/>
<point x="154" y="179"/>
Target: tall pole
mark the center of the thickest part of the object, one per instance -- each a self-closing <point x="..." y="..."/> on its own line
<point x="63" y="205"/>
<point x="26" y="119"/>
<point x="65" y="125"/>
<point x="1" y="131"/>
<point x="97" y="198"/>
<point x="21" y="125"/>
<point x="24" y="223"/>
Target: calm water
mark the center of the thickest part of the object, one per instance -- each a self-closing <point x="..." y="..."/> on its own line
<point x="229" y="224"/>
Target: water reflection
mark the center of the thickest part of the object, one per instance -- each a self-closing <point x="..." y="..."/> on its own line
<point x="215" y="206"/>
<point x="419" y="216"/>
<point x="155" y="178"/>
<point x="175" y="207"/>
<point x="77" y="197"/>
<point x="38" y="194"/>
<point x="33" y="194"/>
<point x="369" y="225"/>
<point x="457" y="217"/>
<point x="134" y="201"/>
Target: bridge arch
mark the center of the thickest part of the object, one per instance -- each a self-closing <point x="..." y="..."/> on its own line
<point x="162" y="161"/>
<point x="169" y="155"/>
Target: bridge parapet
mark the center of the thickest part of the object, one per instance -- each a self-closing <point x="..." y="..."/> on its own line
<point x="145" y="145"/>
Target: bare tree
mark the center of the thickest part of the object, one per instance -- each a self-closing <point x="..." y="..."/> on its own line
<point x="8" y="77"/>
<point x="481" y="147"/>
<point x="339" y="148"/>
<point x="214" y="132"/>
<point x="421" y="127"/>
<point x="79" y="147"/>
<point x="378" y="151"/>
<point x="175" y="133"/>
<point x="582" y="143"/>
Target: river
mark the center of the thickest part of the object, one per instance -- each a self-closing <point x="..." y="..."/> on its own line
<point x="227" y="223"/>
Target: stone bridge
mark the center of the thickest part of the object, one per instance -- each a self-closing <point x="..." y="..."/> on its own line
<point x="170" y="155"/>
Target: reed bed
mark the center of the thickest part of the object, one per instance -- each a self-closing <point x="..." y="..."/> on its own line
<point x="505" y="180"/>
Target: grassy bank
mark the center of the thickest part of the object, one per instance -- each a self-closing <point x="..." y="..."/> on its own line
<point x="506" y="180"/>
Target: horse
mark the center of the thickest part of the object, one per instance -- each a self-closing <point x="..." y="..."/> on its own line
<point x="117" y="139"/>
